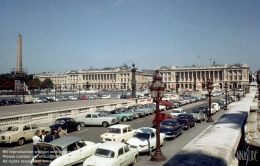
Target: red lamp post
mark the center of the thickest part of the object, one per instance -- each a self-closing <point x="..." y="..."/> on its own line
<point x="209" y="88"/>
<point x="157" y="90"/>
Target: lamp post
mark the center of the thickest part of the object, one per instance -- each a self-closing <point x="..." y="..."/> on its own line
<point x="79" y="92"/>
<point x="226" y="87"/>
<point x="55" y="92"/>
<point x="157" y="89"/>
<point x="177" y="83"/>
<point x="258" y="87"/>
<point x="122" y="89"/>
<point x="60" y="89"/>
<point x="133" y="81"/>
<point x="209" y="88"/>
<point x="234" y="94"/>
<point x="195" y="84"/>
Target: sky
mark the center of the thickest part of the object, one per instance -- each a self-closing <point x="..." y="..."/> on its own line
<point x="61" y="35"/>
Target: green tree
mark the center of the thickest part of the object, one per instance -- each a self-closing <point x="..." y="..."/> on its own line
<point x="48" y="83"/>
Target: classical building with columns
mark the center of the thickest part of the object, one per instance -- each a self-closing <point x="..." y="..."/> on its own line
<point x="106" y="78"/>
<point x="235" y="75"/>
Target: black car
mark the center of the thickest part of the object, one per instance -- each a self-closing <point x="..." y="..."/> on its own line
<point x="68" y="124"/>
<point x="171" y="128"/>
<point x="44" y="99"/>
<point x="4" y="102"/>
<point x="187" y="120"/>
<point x="15" y="101"/>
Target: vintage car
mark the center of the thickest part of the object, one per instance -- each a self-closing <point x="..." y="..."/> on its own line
<point x="105" y="96"/>
<point x="144" y="139"/>
<point x="142" y="106"/>
<point x="175" y="112"/>
<point x="118" y="132"/>
<point x="171" y="128"/>
<point x="19" y="133"/>
<point x="198" y="115"/>
<point x="138" y="109"/>
<point x="112" y="154"/>
<point x="68" y="150"/>
<point x="123" y="116"/>
<point x="216" y="106"/>
<point x="162" y="116"/>
<point x="187" y="120"/>
<point x="68" y="124"/>
<point x="125" y="110"/>
<point x="151" y="105"/>
<point x="96" y="119"/>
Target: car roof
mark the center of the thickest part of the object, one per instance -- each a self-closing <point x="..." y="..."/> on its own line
<point x="119" y="126"/>
<point x="65" y="141"/>
<point x="64" y="118"/>
<point x="170" y="120"/>
<point x="177" y="109"/>
<point x="185" y="114"/>
<point x="146" y="130"/>
<point x="111" y="145"/>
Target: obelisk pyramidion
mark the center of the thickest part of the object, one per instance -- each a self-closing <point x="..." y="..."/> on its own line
<point x="19" y="68"/>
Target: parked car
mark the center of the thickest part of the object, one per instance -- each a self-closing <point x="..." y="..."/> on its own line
<point x="171" y="128"/>
<point x="216" y="106"/>
<point x="112" y="154"/>
<point x="105" y="96"/>
<point x="4" y="102"/>
<point x="175" y="112"/>
<point x="68" y="124"/>
<point x="44" y="100"/>
<point x="142" y="106"/>
<point x="68" y="150"/>
<point x="63" y="98"/>
<point x="198" y="115"/>
<point x="19" y="133"/>
<point x="139" y="109"/>
<point x="72" y="98"/>
<point x="187" y="120"/>
<point x="144" y="139"/>
<point x="151" y="105"/>
<point x="15" y="101"/>
<point x="37" y="100"/>
<point x="136" y="111"/>
<point x="96" y="119"/>
<point x="122" y="115"/>
<point x="162" y="116"/>
<point x="118" y="132"/>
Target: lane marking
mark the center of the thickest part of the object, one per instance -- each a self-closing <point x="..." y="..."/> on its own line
<point x="82" y="131"/>
<point x="140" y="121"/>
<point x="15" y="148"/>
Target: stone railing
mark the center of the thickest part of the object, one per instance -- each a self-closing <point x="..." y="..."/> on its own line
<point x="226" y="141"/>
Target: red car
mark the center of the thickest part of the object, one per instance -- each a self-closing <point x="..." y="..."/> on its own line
<point x="162" y="116"/>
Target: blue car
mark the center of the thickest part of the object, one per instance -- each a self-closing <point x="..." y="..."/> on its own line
<point x="171" y="128"/>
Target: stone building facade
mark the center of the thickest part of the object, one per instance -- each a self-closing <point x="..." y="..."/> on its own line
<point x="235" y="75"/>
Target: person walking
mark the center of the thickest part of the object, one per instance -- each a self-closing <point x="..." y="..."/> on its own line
<point x="48" y="138"/>
<point x="42" y="135"/>
<point x="62" y="133"/>
<point x="36" y="139"/>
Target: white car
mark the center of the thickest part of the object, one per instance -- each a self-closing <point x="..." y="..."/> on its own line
<point x="112" y="154"/>
<point x="105" y="96"/>
<point x="72" y="98"/>
<point x="144" y="139"/>
<point x="118" y="132"/>
<point x="161" y="107"/>
<point x="37" y="100"/>
<point x="64" y="151"/>
<point x="216" y="106"/>
<point x="175" y="112"/>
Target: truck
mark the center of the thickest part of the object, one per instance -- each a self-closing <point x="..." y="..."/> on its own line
<point x="28" y="99"/>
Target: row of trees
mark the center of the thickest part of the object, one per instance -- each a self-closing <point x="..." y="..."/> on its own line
<point x="7" y="82"/>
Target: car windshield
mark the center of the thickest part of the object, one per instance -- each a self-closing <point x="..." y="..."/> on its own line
<point x="114" y="130"/>
<point x="104" y="153"/>
<point x="59" y="121"/>
<point x="196" y="111"/>
<point x="183" y="116"/>
<point x="167" y="124"/>
<point x="141" y="135"/>
<point x="13" y="128"/>
<point x="176" y="111"/>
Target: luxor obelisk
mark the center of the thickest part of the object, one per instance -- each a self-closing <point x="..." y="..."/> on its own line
<point x="19" y="67"/>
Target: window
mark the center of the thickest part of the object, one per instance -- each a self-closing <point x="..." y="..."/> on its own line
<point x="125" y="130"/>
<point x="127" y="149"/>
<point x="88" y="116"/>
<point x="120" y="152"/>
<point x="129" y="129"/>
<point x="27" y="127"/>
<point x="94" y="116"/>
<point x="81" y="144"/>
<point x="153" y="135"/>
<point x="34" y="126"/>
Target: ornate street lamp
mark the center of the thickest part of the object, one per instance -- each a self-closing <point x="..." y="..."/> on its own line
<point x="209" y="88"/>
<point x="226" y="88"/>
<point x="79" y="92"/>
<point x="157" y="90"/>
<point x="133" y="81"/>
<point x="177" y="83"/>
<point x="55" y="92"/>
<point x="234" y="94"/>
<point x="195" y="84"/>
<point x="122" y="90"/>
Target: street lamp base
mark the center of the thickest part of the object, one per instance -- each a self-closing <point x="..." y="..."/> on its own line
<point x="158" y="156"/>
<point x="210" y="119"/>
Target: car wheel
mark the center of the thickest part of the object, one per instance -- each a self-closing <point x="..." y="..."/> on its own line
<point x="124" y="119"/>
<point x="78" y="128"/>
<point x="21" y="141"/>
<point x="82" y="124"/>
<point x="123" y="141"/>
<point x="105" y="124"/>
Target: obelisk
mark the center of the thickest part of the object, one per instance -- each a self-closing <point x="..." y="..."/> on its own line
<point x="19" y="68"/>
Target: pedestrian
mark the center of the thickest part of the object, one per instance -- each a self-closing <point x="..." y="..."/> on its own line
<point x="49" y="137"/>
<point x="36" y="139"/>
<point x="62" y="133"/>
<point x="42" y="135"/>
<point x="56" y="135"/>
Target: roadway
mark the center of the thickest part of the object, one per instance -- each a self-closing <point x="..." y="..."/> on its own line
<point x="170" y="148"/>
